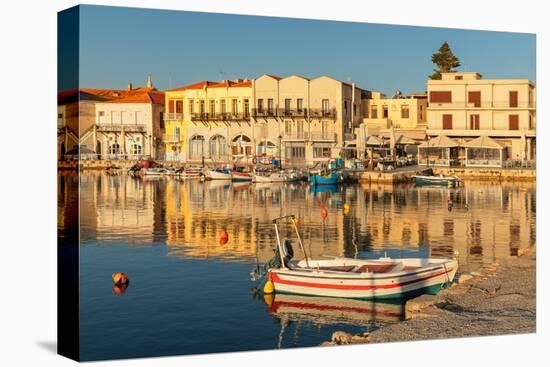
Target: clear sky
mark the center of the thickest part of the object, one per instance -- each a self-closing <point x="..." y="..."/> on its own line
<point x="121" y="45"/>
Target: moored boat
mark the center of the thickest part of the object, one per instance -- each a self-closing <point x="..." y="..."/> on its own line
<point x="156" y="171"/>
<point x="382" y="278"/>
<point x="421" y="180"/>
<point x="190" y="172"/>
<point x="241" y="176"/>
<point x="332" y="178"/>
<point x="217" y="174"/>
<point x="271" y="177"/>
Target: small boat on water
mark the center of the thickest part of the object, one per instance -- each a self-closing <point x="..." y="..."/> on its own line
<point x="382" y="278"/>
<point x="331" y="178"/>
<point x="156" y="171"/>
<point x="436" y="180"/>
<point x="241" y="177"/>
<point x="270" y="177"/>
<point x="192" y="172"/>
<point x="217" y="174"/>
<point x="427" y="177"/>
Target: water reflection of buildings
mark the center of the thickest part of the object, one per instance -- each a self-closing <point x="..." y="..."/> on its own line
<point x="120" y="208"/>
<point x="488" y="220"/>
<point x="189" y="215"/>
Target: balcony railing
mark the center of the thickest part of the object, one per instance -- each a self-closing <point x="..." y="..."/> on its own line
<point x="322" y="113"/>
<point x="263" y="112"/>
<point x="296" y="136"/>
<point x="295" y="112"/>
<point x="323" y="136"/>
<point x="292" y="112"/>
<point x="173" y="116"/>
<point x="228" y="116"/>
<point x="129" y="128"/>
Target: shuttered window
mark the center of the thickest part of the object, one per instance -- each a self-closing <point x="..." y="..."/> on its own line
<point x="447" y="122"/>
<point x="474" y="122"/>
<point x="171" y="106"/>
<point x="474" y="98"/>
<point x="513" y="98"/>
<point x="513" y="122"/>
<point x="441" y="97"/>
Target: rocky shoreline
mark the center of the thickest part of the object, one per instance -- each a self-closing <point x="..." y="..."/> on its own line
<point x="499" y="299"/>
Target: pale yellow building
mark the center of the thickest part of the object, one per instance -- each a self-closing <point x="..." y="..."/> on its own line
<point x="464" y="106"/>
<point x="299" y="120"/>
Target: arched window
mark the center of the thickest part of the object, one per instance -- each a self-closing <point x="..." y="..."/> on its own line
<point x="135" y="149"/>
<point x="218" y="146"/>
<point x="242" y="145"/>
<point x="114" y="148"/>
<point x="196" y="147"/>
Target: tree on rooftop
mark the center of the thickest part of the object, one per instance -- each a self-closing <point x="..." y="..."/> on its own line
<point x="445" y="61"/>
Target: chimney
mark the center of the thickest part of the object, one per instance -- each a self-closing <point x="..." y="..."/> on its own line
<point x="130" y="86"/>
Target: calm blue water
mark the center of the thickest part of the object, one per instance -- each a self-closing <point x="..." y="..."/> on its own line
<point x="190" y="294"/>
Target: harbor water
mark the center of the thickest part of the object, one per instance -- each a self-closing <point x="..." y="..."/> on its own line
<point x="191" y="293"/>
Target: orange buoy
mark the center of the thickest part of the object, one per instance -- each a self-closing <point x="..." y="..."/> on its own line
<point x="324" y="213"/>
<point x="120" y="278"/>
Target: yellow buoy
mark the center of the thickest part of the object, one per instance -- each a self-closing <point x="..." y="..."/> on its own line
<point x="268" y="287"/>
<point x="347" y="208"/>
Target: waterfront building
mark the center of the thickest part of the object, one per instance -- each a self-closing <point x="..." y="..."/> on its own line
<point x="463" y="106"/>
<point x="295" y="119"/>
<point x="130" y="127"/>
<point x="398" y="119"/>
<point x="110" y="123"/>
<point x="209" y="120"/>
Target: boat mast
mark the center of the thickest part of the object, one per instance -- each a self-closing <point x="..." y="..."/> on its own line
<point x="300" y="239"/>
<point x="279" y="243"/>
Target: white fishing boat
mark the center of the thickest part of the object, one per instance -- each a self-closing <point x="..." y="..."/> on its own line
<point x="270" y="177"/>
<point x="193" y="172"/>
<point x="341" y="277"/>
<point x="292" y="176"/>
<point x="157" y="171"/>
<point x="217" y="174"/>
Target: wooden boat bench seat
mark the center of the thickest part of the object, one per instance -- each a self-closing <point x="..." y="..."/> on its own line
<point x="377" y="268"/>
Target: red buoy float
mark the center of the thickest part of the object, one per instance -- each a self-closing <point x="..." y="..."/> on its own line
<point x="324" y="213"/>
<point x="120" y="278"/>
<point x="224" y="237"/>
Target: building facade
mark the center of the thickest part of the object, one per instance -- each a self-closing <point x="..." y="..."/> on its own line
<point x="110" y="123"/>
<point x="294" y="119"/>
<point x="129" y="127"/>
<point x="464" y="106"/>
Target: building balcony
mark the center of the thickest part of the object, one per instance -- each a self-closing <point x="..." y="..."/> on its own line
<point x="299" y="136"/>
<point x="292" y="112"/>
<point x="173" y="116"/>
<point x="323" y="136"/>
<point x="320" y="113"/>
<point x="129" y="128"/>
<point x="264" y="112"/>
<point x="227" y="116"/>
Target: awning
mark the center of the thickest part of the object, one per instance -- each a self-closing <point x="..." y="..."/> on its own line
<point x="375" y="141"/>
<point x="404" y="140"/>
<point x="441" y="141"/>
<point x="483" y="142"/>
